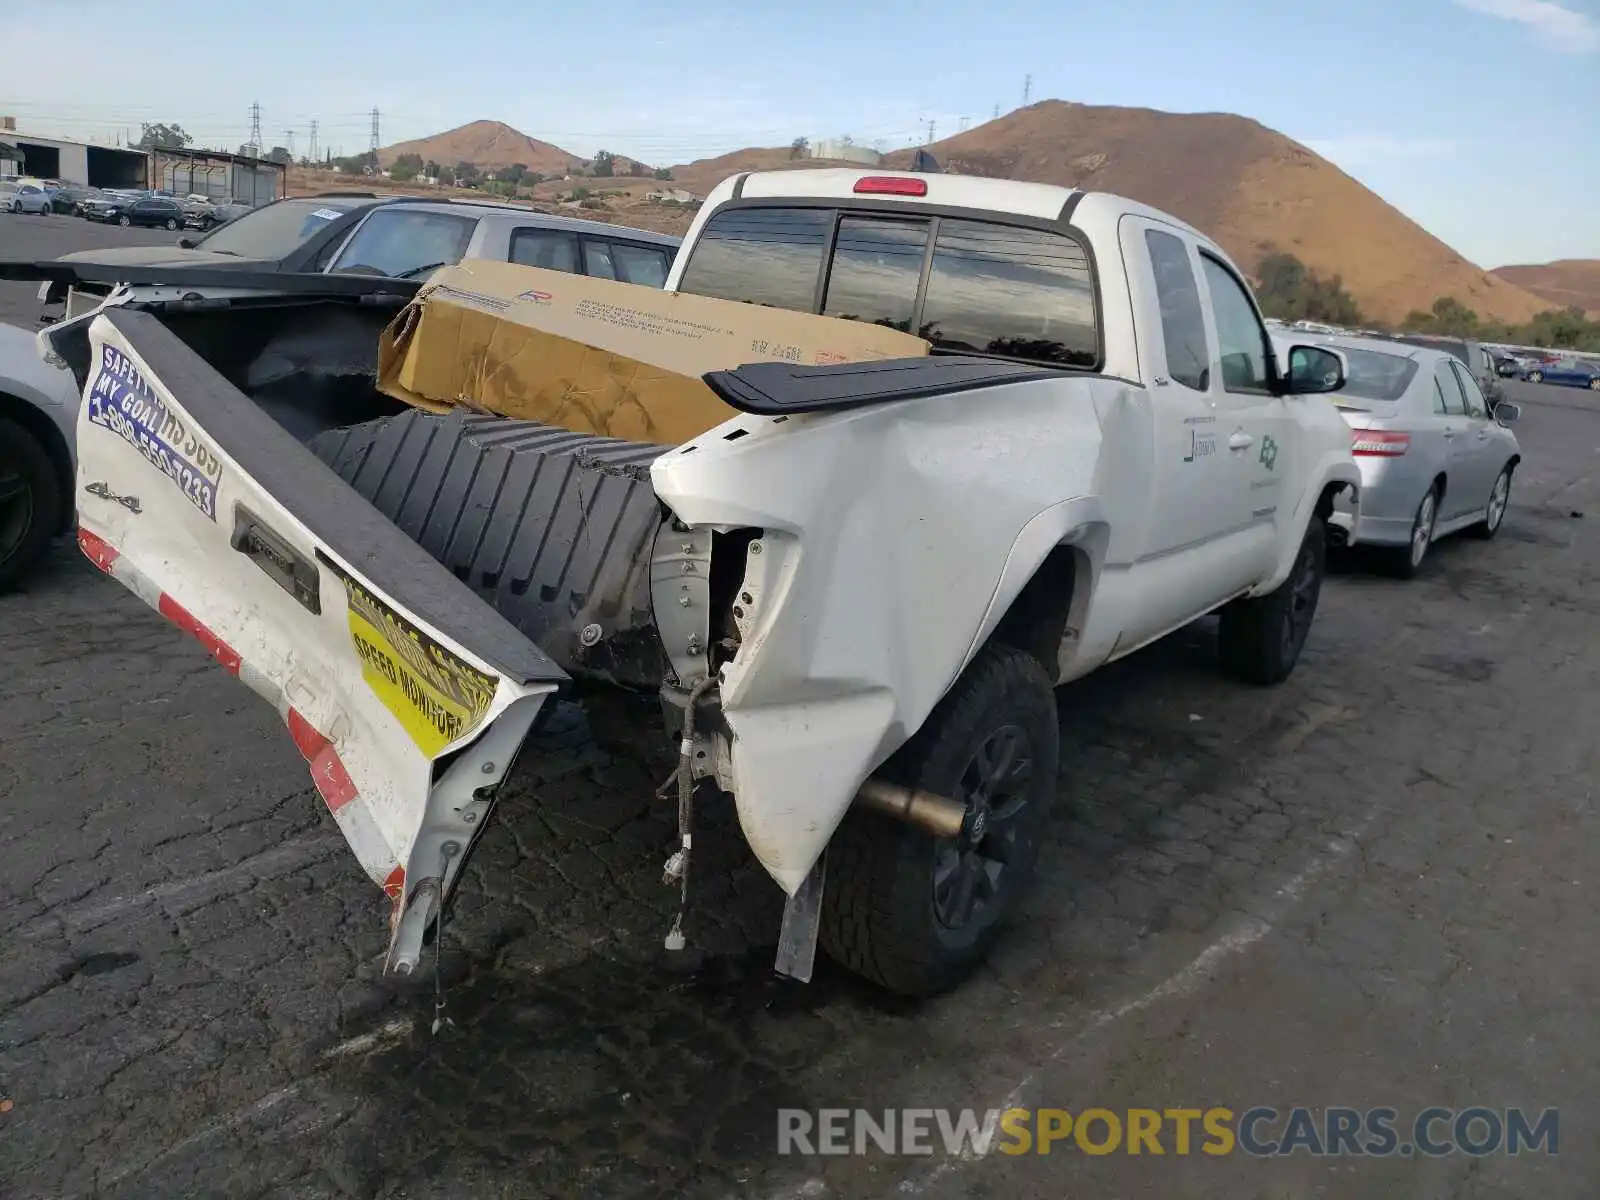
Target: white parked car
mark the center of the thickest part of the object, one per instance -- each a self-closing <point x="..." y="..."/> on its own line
<point x="895" y="563"/>
<point x="24" y="198"/>
<point x="1435" y="457"/>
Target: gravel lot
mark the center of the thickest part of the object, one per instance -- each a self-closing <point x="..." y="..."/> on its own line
<point x="1373" y="886"/>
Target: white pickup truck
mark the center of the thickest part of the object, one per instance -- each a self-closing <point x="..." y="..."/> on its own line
<point x="855" y="598"/>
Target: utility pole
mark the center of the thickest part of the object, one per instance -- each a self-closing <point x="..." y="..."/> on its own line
<point x="255" y="130"/>
<point x="1027" y="89"/>
<point x="312" y="153"/>
<point x="372" y="150"/>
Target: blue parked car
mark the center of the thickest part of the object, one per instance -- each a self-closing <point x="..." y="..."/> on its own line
<point x="1569" y="372"/>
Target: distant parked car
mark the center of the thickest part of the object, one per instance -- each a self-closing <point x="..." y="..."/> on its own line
<point x="1568" y="372"/>
<point x="1434" y="457"/>
<point x="156" y="212"/>
<point x="207" y="215"/>
<point x="1506" y="366"/>
<point x="71" y="199"/>
<point x="24" y="198"/>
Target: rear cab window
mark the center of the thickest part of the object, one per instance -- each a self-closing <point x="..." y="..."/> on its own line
<point x="968" y="285"/>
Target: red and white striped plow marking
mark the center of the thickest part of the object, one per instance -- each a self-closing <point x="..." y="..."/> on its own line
<point x="349" y="811"/>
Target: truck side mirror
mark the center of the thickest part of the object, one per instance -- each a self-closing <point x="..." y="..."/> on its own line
<point x="1314" y="370"/>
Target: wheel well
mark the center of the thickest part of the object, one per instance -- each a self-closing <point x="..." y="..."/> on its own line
<point x="1324" y="508"/>
<point x="1513" y="462"/>
<point x="43" y="428"/>
<point x="1439" y="482"/>
<point x="1037" y="620"/>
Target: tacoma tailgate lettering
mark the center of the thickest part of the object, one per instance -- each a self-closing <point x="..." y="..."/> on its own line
<point x="435" y="696"/>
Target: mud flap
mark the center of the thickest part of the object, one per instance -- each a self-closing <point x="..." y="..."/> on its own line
<point x="407" y="695"/>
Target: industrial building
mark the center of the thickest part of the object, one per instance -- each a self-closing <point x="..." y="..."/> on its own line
<point x="211" y="173"/>
<point x="844" y="150"/>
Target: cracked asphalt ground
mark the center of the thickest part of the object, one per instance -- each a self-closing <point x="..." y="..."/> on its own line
<point x="1372" y="886"/>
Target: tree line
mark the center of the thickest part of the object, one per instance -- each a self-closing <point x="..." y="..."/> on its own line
<point x="1289" y="290"/>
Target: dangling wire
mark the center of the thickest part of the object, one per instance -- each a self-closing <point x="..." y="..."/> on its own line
<point x="677" y="868"/>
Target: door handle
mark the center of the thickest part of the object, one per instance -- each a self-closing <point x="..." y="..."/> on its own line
<point x="1240" y="441"/>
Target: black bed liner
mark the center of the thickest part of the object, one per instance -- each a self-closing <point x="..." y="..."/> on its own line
<point x="554" y="529"/>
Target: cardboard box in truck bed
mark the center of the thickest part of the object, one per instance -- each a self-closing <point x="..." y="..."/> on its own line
<point x="594" y="355"/>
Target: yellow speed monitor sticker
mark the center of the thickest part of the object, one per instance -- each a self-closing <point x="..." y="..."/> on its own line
<point x="432" y="693"/>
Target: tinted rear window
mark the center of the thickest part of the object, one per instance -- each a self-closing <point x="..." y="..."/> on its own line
<point x="769" y="256"/>
<point x="987" y="288"/>
<point x="1376" y="376"/>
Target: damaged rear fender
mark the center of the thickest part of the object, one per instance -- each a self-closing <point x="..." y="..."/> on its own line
<point x="891" y="538"/>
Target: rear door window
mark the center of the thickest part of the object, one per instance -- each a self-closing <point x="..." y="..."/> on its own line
<point x="876" y="266"/>
<point x="597" y="259"/>
<point x="643" y="265"/>
<point x="1183" y="322"/>
<point x="770" y="256"/>
<point x="1477" y="406"/>
<point x="1455" y="403"/>
<point x="552" y="249"/>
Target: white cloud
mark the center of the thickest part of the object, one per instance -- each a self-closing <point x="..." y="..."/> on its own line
<point x="1361" y="150"/>
<point x="1554" y="26"/>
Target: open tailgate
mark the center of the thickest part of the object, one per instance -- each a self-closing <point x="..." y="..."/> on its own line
<point x="408" y="695"/>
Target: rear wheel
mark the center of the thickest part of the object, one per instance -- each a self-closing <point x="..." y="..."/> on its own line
<point x="30" y="502"/>
<point x="1494" y="513"/>
<point x="171" y="224"/>
<point x="1260" y="638"/>
<point x="915" y="913"/>
<point x="1403" y="562"/>
<point x="1594" y="384"/>
<point x="1535" y="376"/>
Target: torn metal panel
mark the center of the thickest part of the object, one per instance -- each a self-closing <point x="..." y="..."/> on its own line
<point x="552" y="528"/>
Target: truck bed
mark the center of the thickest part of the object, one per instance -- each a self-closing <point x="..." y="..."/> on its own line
<point x="553" y="529"/>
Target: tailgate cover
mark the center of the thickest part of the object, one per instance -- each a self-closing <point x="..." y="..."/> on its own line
<point x="408" y="696"/>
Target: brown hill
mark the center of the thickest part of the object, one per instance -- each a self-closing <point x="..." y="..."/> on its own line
<point x="486" y="144"/>
<point x="1244" y="184"/>
<point x="1567" y="283"/>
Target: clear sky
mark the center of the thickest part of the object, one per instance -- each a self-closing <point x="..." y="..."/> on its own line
<point x="1480" y="119"/>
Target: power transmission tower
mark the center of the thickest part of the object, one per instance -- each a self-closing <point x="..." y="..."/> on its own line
<point x="255" y="131"/>
<point x="931" y="128"/>
<point x="961" y="125"/>
<point x="372" y="150"/>
<point x="289" y="140"/>
<point x="1027" y="89"/>
<point x="996" y="116"/>
<point x="312" y="153"/>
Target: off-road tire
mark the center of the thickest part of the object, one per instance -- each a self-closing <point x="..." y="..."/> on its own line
<point x="878" y="913"/>
<point x="20" y="450"/>
<point x="1261" y="637"/>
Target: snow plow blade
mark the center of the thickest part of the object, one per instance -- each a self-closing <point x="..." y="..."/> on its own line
<point x="408" y="696"/>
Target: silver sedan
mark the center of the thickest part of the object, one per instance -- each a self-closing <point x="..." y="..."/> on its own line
<point x="1433" y="459"/>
